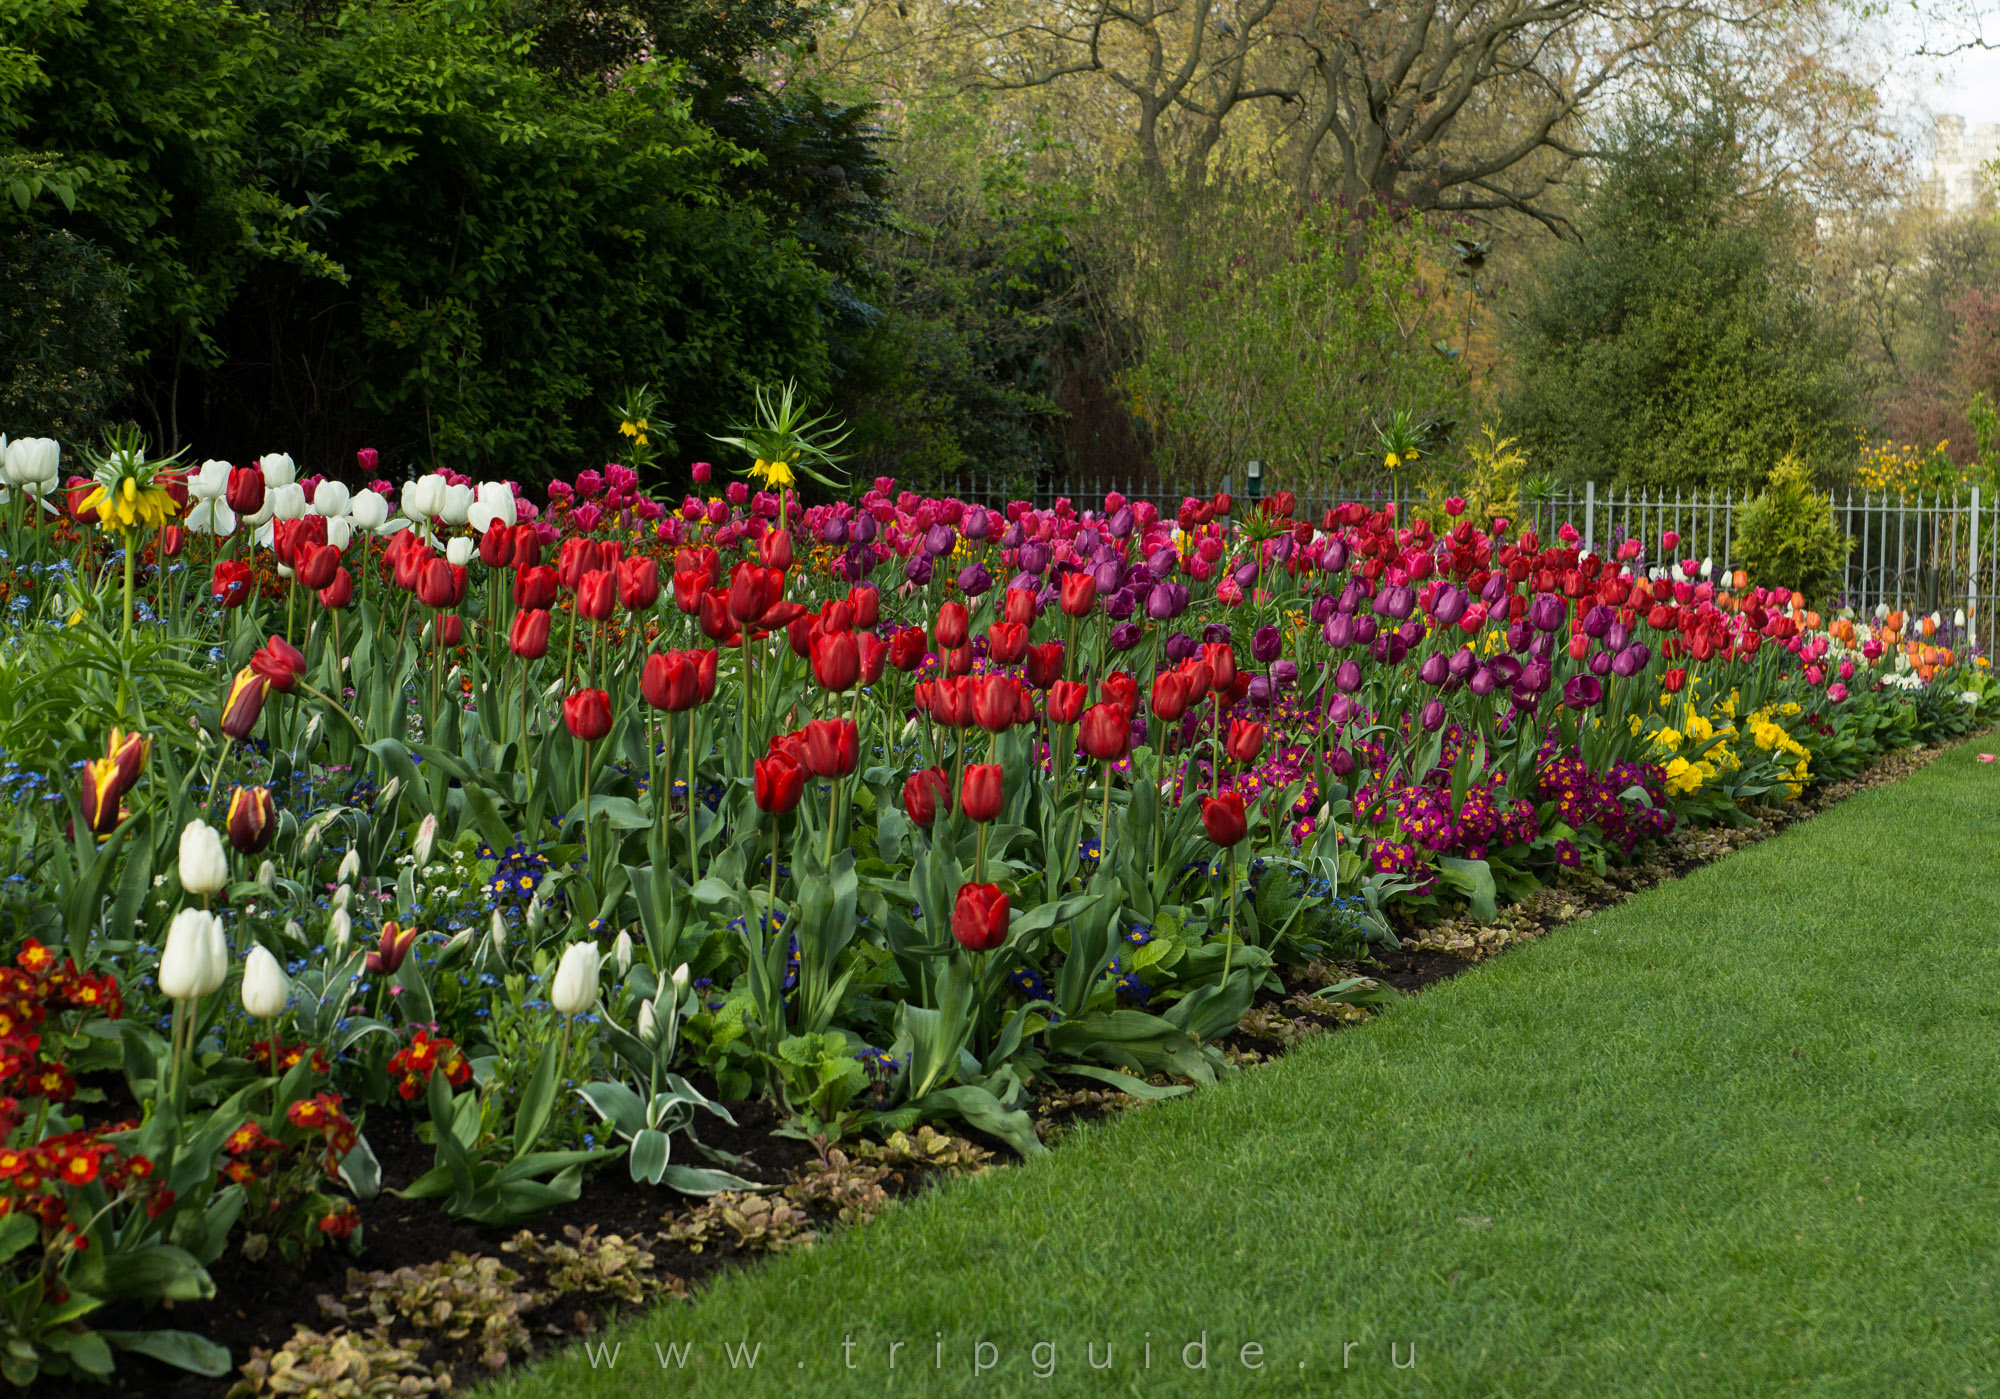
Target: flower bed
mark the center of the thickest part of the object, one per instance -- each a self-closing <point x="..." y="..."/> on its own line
<point x="393" y="867"/>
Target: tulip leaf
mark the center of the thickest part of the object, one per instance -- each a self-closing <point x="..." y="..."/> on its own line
<point x="182" y="1349"/>
<point x="537" y="1101"/>
<point x="1474" y="879"/>
<point x="1125" y="1083"/>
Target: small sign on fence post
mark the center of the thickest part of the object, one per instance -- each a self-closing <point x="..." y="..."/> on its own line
<point x="1253" y="479"/>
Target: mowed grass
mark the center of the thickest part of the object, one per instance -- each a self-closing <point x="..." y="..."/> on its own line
<point x="1735" y="1136"/>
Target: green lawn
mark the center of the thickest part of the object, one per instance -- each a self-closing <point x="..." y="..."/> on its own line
<point x="1735" y="1136"/>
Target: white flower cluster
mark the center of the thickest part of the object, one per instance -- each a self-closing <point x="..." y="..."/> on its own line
<point x="421" y="502"/>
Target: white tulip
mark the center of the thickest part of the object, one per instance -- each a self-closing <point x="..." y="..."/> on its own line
<point x="33" y="463"/>
<point x="681" y="978"/>
<point x="370" y="510"/>
<point x="575" y="989"/>
<point x="266" y="988"/>
<point x="1958" y="618"/>
<point x="204" y="864"/>
<point x="422" y="497"/>
<point x="350" y="866"/>
<point x="183" y="958"/>
<point x="459" y="552"/>
<point x="267" y="875"/>
<point x="210" y="481"/>
<point x="212" y="516"/>
<point x="621" y="954"/>
<point x="455" y="504"/>
<point x="493" y="503"/>
<point x="427" y="833"/>
<point x="1707" y="567"/>
<point x="215" y="959"/>
<point x="339" y="928"/>
<point x="278" y="469"/>
<point x="339" y="529"/>
<point x="343" y="896"/>
<point x="649" y="1022"/>
<point x="287" y="502"/>
<point x="498" y="927"/>
<point x="1881" y="611"/>
<point x="295" y="931"/>
<point x="330" y="499"/>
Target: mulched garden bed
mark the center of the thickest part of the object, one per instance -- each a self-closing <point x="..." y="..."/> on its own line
<point x="443" y="1305"/>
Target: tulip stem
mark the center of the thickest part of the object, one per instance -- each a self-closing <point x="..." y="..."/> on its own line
<point x="586" y="808"/>
<point x="1229" y="926"/>
<point x="694" y="860"/>
<point x="1104" y="821"/>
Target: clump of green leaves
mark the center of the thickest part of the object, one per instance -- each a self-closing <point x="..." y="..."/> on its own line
<point x="341" y="1365"/>
<point x="836" y="1181"/>
<point x="1787" y="538"/>
<point x="603" y="1268"/>
<point x="754" y="1223"/>
<point x="462" y="1298"/>
<point x="930" y="1149"/>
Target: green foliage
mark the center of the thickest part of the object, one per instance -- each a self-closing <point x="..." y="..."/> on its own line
<point x="1786" y="537"/>
<point x="1680" y="342"/>
<point x="1300" y="335"/>
<point x="62" y="334"/>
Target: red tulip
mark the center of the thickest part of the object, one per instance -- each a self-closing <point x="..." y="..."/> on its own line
<point x="979" y="918"/>
<point x="588" y="714"/>
<point x="704" y="674"/>
<point x="874" y="655"/>
<point x="1006" y="642"/>
<point x="1221" y="663"/>
<point x="951" y="701"/>
<point x="231" y="582"/>
<point x="668" y="682"/>
<point x="595" y="593"/>
<point x="245" y="491"/>
<point x="993" y="703"/>
<point x="716" y="623"/>
<point x="1673" y="680"/>
<point x="792" y="746"/>
<point x="317" y="568"/>
<point x="408" y="561"/>
<point x="528" y="637"/>
<point x="702" y="560"/>
<point x="1020" y="607"/>
<point x="1045" y="664"/>
<point x="279" y="662"/>
<point x="127" y="754"/>
<point x="638" y="583"/>
<point x="833" y="747"/>
<point x="774" y="549"/>
<point x="579" y="556"/>
<point x="752" y="591"/>
<point x="1245" y="741"/>
<point x="339" y="593"/>
<point x="836" y="660"/>
<point x="252" y="823"/>
<point x="243" y="703"/>
<point x="496" y="546"/>
<point x="1066" y="700"/>
<point x="1122" y="690"/>
<point x="867" y="605"/>
<point x="925" y="793"/>
<point x="1105" y="733"/>
<point x="527" y="551"/>
<point x="173" y="539"/>
<point x="535" y="586"/>
<point x="1079" y="594"/>
<point x="952" y="626"/>
<point x="1170" y="695"/>
<point x="101" y="791"/>
<point x="980" y="794"/>
<point x="1198" y="678"/>
<point x="394" y="945"/>
<point x="450" y="629"/>
<point x="689" y="585"/>
<point x="958" y="661"/>
<point x="778" y="783"/>
<point x="907" y="648"/>
<point x="836" y="615"/>
<point x="1223" y="818"/>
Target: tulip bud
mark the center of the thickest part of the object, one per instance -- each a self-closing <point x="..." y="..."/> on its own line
<point x="497" y="929"/>
<point x="649" y="1022"/>
<point x="204" y="867"/>
<point x="267" y="875"/>
<point x="575" y="988"/>
<point x="621" y="954"/>
<point x="184" y="961"/>
<point x="350" y="867"/>
<point x="266" y="989"/>
<point x="427" y="830"/>
<point x="681" y="979"/>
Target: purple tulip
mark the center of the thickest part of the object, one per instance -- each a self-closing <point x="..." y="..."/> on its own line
<point x="977" y="524"/>
<point x="1282" y="550"/>
<point x="1582" y="691"/>
<point x="1034" y="556"/>
<point x="1435" y="669"/>
<point x="1245" y="573"/>
<point x="918" y="569"/>
<point x="1322" y="608"/>
<point x="1546" y="612"/>
<point x="1389" y="648"/>
<point x="1086" y="541"/>
<point x="1630" y="660"/>
<point x="862" y="528"/>
<point x="1108" y="575"/>
<point x="1011" y="537"/>
<point x="1411" y="632"/>
<point x="1339" y="631"/>
<point x="1364" y="629"/>
<point x="1341" y="762"/>
<point x="1597" y="621"/>
<point x="974" y="580"/>
<point x="1125" y="636"/>
<point x="1351" y="596"/>
<point x="1259" y="689"/>
<point x="1161" y="563"/>
<point x="1535" y="677"/>
<point x="1495" y="589"/>
<point x="1160" y="603"/>
<point x="1462" y="663"/>
<point x="1483" y="681"/>
<point x="834" y="531"/>
<point x="1347" y="677"/>
<point x="1284" y="672"/>
<point x="1616" y="635"/>
<point x="1120" y="605"/>
<point x="1267" y="644"/>
<point x="1121" y="522"/>
<point x="1543" y="646"/>
<point x="1179" y="647"/>
<point x="1432" y="716"/>
<point x="1518" y="634"/>
<point x="1333" y="555"/>
<point x="1448" y="606"/>
<point x="1215" y="634"/>
<point x="1600" y="662"/>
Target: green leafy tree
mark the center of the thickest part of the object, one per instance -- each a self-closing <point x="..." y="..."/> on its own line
<point x="1680" y="342"/>
<point x="1786" y="537"/>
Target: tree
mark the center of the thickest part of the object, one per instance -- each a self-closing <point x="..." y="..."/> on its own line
<point x="1682" y="340"/>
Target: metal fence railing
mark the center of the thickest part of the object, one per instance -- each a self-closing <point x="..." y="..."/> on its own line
<point x="1920" y="552"/>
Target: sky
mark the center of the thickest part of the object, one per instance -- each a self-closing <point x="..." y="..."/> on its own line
<point x="1967" y="83"/>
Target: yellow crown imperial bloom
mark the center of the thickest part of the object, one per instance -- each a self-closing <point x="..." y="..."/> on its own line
<point x="1392" y="461"/>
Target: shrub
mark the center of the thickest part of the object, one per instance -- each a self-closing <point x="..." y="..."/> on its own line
<point x="1787" y="538"/>
<point x="62" y="334"/>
